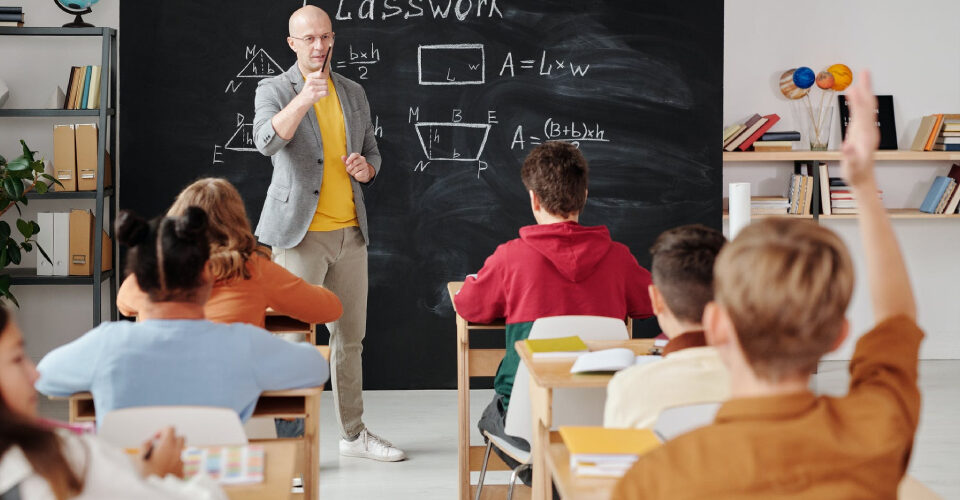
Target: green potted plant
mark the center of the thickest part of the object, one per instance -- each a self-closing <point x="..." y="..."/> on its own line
<point x="17" y="178"/>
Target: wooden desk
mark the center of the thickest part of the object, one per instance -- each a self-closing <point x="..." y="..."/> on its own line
<point x="275" y="322"/>
<point x="290" y="403"/>
<point x="547" y="375"/>
<point x="280" y="458"/>
<point x="571" y="487"/>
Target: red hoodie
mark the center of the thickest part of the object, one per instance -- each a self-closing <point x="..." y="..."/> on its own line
<point x="553" y="270"/>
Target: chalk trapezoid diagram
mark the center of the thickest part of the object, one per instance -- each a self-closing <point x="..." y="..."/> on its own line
<point x="441" y="140"/>
<point x="261" y="65"/>
<point x="242" y="139"/>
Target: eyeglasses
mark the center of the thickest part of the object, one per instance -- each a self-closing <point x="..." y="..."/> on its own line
<point x="311" y="39"/>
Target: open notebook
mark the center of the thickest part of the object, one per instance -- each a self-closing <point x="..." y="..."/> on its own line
<point x="225" y="464"/>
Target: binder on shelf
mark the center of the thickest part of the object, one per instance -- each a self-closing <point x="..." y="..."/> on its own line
<point x="81" y="244"/>
<point x="45" y="240"/>
<point x="61" y="244"/>
<point x="65" y="156"/>
<point x="87" y="158"/>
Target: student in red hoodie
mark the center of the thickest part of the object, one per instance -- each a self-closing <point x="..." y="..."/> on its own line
<point x="554" y="268"/>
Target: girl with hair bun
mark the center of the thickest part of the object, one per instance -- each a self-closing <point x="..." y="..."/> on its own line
<point x="245" y="280"/>
<point x="174" y="356"/>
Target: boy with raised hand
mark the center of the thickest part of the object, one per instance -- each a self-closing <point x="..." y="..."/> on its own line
<point x="782" y="287"/>
<point x="691" y="372"/>
<point x="556" y="267"/>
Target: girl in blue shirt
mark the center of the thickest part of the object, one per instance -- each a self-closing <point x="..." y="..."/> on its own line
<point x="173" y="356"/>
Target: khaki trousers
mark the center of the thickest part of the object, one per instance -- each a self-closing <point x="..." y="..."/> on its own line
<point x="338" y="261"/>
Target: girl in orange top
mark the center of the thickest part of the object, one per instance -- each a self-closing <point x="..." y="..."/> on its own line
<point x="247" y="281"/>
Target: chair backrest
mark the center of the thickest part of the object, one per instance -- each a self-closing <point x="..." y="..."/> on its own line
<point x="678" y="420"/>
<point x="200" y="425"/>
<point x="570" y="406"/>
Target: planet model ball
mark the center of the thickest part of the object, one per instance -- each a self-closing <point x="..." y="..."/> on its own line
<point x="788" y="88"/>
<point x="842" y="76"/>
<point x="804" y="77"/>
<point x="825" y="80"/>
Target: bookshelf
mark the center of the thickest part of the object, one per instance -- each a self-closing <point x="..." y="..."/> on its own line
<point x="811" y="158"/>
<point x="106" y="141"/>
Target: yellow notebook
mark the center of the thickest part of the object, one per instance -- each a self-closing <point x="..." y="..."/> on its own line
<point x="606" y="452"/>
<point x="559" y="347"/>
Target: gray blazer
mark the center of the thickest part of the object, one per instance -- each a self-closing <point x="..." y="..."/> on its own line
<point x="298" y="163"/>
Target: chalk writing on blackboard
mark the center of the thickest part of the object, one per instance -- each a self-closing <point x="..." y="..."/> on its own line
<point x="360" y="59"/>
<point x="259" y="65"/>
<point x="545" y="66"/>
<point x="242" y="139"/>
<point x="565" y="131"/>
<point x="451" y="64"/>
<point x="370" y="10"/>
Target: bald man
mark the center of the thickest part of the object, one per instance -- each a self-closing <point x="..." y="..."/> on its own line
<point x="315" y="127"/>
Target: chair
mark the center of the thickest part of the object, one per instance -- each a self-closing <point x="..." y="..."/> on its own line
<point x="200" y="425"/>
<point x="678" y="420"/>
<point x="571" y="406"/>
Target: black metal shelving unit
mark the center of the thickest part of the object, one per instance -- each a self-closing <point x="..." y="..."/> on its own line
<point x="106" y="114"/>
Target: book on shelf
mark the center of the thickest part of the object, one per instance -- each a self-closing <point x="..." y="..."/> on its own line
<point x="824" y="189"/>
<point x="789" y="135"/>
<point x="87" y="73"/>
<point x="768" y="121"/>
<point x="932" y="200"/>
<point x="11" y="10"/>
<point x="945" y="199"/>
<point x="946" y="147"/>
<point x="11" y="24"/>
<point x="603" y="451"/>
<point x="955" y="197"/>
<point x="93" y="101"/>
<point x="16" y="17"/>
<point x="749" y="127"/>
<point x="731" y="131"/>
<point x="81" y="77"/>
<point x="923" y="133"/>
<point x="808" y="199"/>
<point x="773" y="146"/>
<point x="885" y="120"/>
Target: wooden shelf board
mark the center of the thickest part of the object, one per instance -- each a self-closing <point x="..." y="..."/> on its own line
<point x="764" y="216"/>
<point x="901" y="155"/>
<point x="899" y="213"/>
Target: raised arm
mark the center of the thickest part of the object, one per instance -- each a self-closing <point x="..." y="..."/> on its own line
<point x="886" y="272"/>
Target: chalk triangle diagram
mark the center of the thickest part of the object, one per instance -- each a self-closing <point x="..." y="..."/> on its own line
<point x="242" y="139"/>
<point x="261" y="65"/>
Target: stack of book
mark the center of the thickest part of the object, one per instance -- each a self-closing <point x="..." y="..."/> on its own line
<point x="606" y="452"/>
<point x="11" y="17"/>
<point x="769" y="205"/>
<point x="83" y="88"/>
<point x="940" y="132"/>
<point x="743" y="135"/>
<point x="943" y="196"/>
<point x="777" y="141"/>
<point x="842" y="200"/>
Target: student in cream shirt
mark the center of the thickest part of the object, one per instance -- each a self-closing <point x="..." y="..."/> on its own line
<point x="690" y="372"/>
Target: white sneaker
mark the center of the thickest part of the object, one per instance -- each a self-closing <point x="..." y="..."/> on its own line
<point x="370" y="445"/>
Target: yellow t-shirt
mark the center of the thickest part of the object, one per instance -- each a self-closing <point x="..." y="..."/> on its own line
<point x="335" y="208"/>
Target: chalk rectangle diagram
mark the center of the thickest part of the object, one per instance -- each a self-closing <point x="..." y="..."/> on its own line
<point x="451" y="64"/>
<point x="453" y="141"/>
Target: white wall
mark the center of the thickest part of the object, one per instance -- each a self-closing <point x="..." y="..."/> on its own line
<point x="911" y="50"/>
<point x="33" y="67"/>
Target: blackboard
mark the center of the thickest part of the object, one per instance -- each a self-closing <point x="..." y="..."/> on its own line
<point x="460" y="90"/>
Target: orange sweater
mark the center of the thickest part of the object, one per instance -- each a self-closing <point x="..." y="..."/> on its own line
<point x="801" y="446"/>
<point x="246" y="300"/>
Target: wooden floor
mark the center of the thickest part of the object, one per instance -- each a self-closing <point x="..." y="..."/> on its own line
<point x="424" y="424"/>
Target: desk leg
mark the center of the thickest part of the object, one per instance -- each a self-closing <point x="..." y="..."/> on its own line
<point x="463" y="410"/>
<point x="311" y="440"/>
<point x="541" y="409"/>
